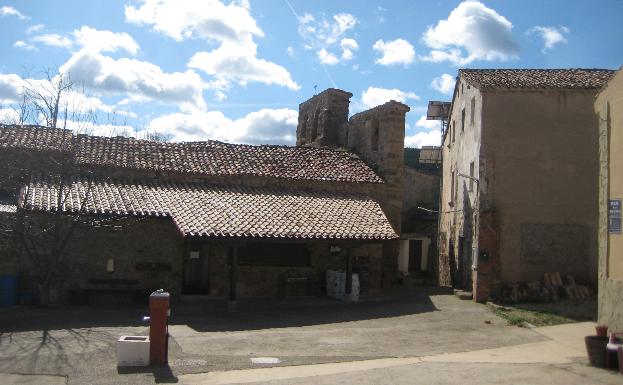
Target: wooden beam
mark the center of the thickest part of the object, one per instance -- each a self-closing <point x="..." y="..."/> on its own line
<point x="233" y="278"/>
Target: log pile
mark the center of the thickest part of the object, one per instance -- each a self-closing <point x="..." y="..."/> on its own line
<point x="552" y="288"/>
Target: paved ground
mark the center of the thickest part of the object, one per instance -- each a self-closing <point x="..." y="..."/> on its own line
<point x="79" y="342"/>
<point x="557" y="359"/>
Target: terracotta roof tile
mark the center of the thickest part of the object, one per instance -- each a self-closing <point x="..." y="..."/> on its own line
<point x="35" y="138"/>
<point x="537" y="78"/>
<point x="210" y="158"/>
<point x="204" y="210"/>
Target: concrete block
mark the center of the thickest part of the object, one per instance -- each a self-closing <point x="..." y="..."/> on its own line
<point x="133" y="351"/>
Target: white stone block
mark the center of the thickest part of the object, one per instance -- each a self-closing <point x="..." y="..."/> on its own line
<point x="133" y="351"/>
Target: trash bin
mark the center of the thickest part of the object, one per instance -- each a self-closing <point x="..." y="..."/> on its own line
<point x="8" y="290"/>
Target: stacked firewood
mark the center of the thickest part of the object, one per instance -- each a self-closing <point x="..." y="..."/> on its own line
<point x="552" y="288"/>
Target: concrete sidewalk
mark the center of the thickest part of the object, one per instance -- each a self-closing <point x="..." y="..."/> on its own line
<point x="559" y="359"/>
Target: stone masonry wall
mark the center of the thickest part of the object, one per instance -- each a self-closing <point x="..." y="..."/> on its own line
<point x="127" y="242"/>
<point x="321" y="119"/>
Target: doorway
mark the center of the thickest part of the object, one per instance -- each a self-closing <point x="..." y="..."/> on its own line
<point x="415" y="256"/>
<point x="196" y="274"/>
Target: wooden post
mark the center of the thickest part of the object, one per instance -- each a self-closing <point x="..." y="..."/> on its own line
<point x="233" y="272"/>
<point x="349" y="277"/>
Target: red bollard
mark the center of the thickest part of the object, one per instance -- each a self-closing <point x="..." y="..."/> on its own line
<point x="158" y="311"/>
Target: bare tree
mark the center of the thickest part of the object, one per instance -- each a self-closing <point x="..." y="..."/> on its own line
<point x="45" y="96"/>
<point x="43" y="237"/>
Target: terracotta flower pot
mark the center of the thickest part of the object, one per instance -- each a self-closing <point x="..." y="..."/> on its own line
<point x="601" y="330"/>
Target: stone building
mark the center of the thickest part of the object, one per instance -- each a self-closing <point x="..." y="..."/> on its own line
<point x="213" y="218"/>
<point x="185" y="213"/>
<point x="377" y="137"/>
<point x="519" y="179"/>
<point x="609" y="109"/>
<point x="418" y="252"/>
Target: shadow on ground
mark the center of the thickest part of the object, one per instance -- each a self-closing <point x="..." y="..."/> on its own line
<point x="213" y="315"/>
<point x="258" y="314"/>
<point x="161" y="374"/>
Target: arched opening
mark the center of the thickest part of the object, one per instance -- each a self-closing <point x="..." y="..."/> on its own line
<point x="374" y="142"/>
<point x="314" y="127"/>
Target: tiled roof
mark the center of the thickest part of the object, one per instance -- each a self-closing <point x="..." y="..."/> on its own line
<point x="537" y="78"/>
<point x="35" y="138"/>
<point x="223" y="159"/>
<point x="210" y="211"/>
<point x="209" y="158"/>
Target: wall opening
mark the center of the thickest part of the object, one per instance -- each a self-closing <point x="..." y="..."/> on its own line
<point x="314" y="127"/>
<point x="463" y="120"/>
<point x="374" y="143"/>
<point x="472" y="110"/>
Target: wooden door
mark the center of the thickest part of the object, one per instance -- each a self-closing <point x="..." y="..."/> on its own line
<point x="196" y="271"/>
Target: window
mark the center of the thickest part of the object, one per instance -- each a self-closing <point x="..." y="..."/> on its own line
<point x="471" y="174"/>
<point x="453" y="130"/>
<point x="314" y="128"/>
<point x="274" y="254"/>
<point x="452" y="189"/>
<point x="463" y="120"/>
<point x="374" y="142"/>
<point x="472" y="110"/>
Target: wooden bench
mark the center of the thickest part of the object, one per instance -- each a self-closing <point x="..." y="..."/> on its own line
<point x="114" y="290"/>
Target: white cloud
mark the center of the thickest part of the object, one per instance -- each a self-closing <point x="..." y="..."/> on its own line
<point x="443" y="84"/>
<point x="325" y="36"/>
<point x="392" y="52"/>
<point x="76" y="103"/>
<point x="187" y="19"/>
<point x="23" y="45"/>
<point x="11" y="86"/>
<point x="374" y="96"/>
<point x="290" y="51"/>
<point x="430" y="138"/>
<point x="53" y="40"/>
<point x="232" y="62"/>
<point x="139" y="79"/>
<point x="89" y="38"/>
<point x="551" y="36"/>
<point x="348" y="46"/>
<point x="108" y="129"/>
<point x="10" y="11"/>
<point x="428" y="124"/>
<point x="471" y="32"/>
<point x="326" y="57"/>
<point x="235" y="59"/>
<point x="34" y="28"/>
<point x="274" y="126"/>
<point x="8" y="116"/>
<point x="105" y="41"/>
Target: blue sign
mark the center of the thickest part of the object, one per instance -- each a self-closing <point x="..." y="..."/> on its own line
<point x="614" y="216"/>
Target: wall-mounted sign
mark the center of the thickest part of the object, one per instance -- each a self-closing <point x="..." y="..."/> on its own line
<point x="614" y="216"/>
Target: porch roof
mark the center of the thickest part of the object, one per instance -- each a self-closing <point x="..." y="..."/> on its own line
<point x="202" y="210"/>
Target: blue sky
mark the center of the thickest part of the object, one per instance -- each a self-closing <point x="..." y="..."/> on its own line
<point x="236" y="71"/>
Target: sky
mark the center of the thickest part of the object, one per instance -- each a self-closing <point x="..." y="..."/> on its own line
<point x="236" y="71"/>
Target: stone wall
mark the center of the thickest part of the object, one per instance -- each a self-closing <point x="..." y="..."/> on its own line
<point x="132" y="244"/>
<point x="541" y="163"/>
<point x="322" y="119"/>
<point x="609" y="113"/>
<point x="461" y="154"/>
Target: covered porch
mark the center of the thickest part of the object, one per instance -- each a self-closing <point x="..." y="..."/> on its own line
<point x="224" y="242"/>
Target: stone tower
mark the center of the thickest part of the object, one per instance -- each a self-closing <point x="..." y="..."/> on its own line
<point x="377" y="135"/>
<point x="323" y="119"/>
